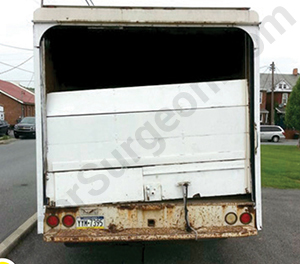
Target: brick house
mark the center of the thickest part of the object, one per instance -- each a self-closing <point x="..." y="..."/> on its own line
<point x="284" y="84"/>
<point x="16" y="102"/>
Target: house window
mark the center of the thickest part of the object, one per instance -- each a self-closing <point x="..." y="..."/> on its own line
<point x="280" y="86"/>
<point x="285" y="97"/>
<point x="284" y="86"/>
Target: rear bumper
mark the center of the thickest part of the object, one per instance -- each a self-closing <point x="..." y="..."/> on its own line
<point x="154" y="221"/>
<point x="146" y="234"/>
<point x="24" y="132"/>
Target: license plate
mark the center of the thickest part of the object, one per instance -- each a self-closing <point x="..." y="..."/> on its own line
<point x="94" y="222"/>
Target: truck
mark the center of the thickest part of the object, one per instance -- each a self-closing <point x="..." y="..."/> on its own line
<point x="147" y="123"/>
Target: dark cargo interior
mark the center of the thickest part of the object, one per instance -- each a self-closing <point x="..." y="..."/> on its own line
<point x="79" y="58"/>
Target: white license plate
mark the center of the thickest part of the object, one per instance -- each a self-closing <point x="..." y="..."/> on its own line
<point x="94" y="222"/>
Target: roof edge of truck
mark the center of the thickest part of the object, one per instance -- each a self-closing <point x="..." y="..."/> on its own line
<point x="146" y="15"/>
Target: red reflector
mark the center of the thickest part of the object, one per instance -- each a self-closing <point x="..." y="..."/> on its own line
<point x="68" y="220"/>
<point x="246" y="218"/>
<point x="52" y="221"/>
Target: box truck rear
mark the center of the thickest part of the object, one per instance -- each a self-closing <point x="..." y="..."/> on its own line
<point x="147" y="123"/>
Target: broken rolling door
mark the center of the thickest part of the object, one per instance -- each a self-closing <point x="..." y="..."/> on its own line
<point x="60" y="164"/>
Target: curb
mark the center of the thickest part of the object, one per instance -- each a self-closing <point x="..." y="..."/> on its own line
<point x="10" y="242"/>
<point x="7" y="141"/>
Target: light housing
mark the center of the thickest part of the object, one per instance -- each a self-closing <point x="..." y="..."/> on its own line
<point x="68" y="220"/>
<point x="246" y="218"/>
<point x="52" y="221"/>
<point x="231" y="218"/>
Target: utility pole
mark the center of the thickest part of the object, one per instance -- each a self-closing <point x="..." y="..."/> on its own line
<point x="272" y="94"/>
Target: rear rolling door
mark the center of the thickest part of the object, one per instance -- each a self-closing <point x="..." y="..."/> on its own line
<point x="210" y="140"/>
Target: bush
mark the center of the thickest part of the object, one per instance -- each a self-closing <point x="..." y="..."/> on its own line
<point x="292" y="117"/>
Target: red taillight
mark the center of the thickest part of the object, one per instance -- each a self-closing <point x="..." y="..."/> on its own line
<point x="68" y="220"/>
<point x="52" y="221"/>
<point x="246" y="218"/>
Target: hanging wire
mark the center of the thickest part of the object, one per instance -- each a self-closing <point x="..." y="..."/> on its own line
<point x="14" y="47"/>
<point x="28" y="85"/>
<point x="266" y="66"/>
<point x="185" y="187"/>
<point x="89" y="2"/>
<point x="12" y="66"/>
<point x="17" y="66"/>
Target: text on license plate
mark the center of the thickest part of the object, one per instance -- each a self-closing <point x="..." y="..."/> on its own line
<point x="90" y="222"/>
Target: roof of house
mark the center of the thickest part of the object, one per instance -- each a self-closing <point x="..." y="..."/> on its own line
<point x="266" y="80"/>
<point x="16" y="92"/>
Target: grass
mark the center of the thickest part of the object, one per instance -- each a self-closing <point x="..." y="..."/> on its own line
<point x="5" y="137"/>
<point x="280" y="166"/>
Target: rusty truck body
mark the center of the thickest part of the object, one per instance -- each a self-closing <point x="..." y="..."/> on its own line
<point x="147" y="123"/>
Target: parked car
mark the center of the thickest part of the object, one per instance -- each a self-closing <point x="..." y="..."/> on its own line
<point x="4" y="126"/>
<point x="271" y="133"/>
<point x="26" y="127"/>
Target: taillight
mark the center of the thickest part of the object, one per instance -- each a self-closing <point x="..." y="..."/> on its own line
<point x="52" y="221"/>
<point x="68" y="220"/>
<point x="246" y="218"/>
<point x="231" y="218"/>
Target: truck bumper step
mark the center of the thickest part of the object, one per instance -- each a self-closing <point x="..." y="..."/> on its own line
<point x="146" y="234"/>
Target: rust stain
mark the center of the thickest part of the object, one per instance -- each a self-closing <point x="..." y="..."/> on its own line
<point x="170" y="205"/>
<point x="126" y="207"/>
<point x="113" y="228"/>
<point x="151" y="207"/>
<point x="146" y="234"/>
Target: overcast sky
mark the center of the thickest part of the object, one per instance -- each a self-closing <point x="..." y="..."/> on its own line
<point x="16" y="31"/>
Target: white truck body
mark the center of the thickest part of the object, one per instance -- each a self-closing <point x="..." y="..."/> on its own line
<point x="121" y="143"/>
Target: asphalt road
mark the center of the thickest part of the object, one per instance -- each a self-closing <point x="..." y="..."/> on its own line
<point x="279" y="242"/>
<point x="282" y="142"/>
<point x="17" y="185"/>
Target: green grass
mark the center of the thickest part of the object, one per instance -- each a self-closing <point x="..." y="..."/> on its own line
<point x="5" y="137"/>
<point x="280" y="166"/>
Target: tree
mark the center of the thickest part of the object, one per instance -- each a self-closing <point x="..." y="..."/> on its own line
<point x="292" y="117"/>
